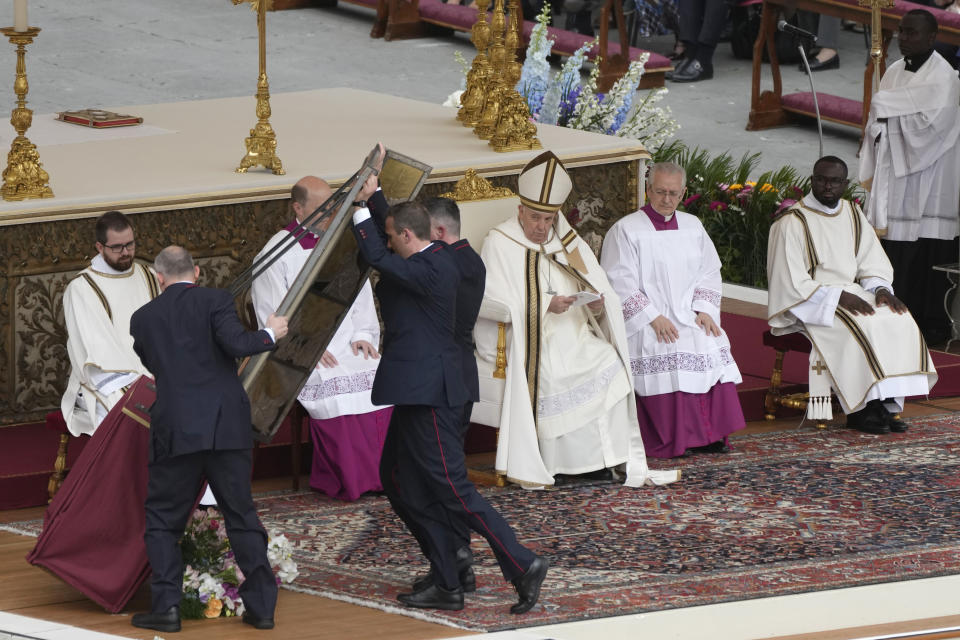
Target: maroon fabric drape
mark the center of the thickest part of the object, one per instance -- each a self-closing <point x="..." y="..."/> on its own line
<point x="93" y="530"/>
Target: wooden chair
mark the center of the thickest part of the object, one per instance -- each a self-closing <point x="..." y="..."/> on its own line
<point x="774" y="397"/>
<point x="55" y="422"/>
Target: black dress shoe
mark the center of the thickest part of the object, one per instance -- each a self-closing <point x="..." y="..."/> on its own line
<point x="677" y="68"/>
<point x="714" y="447"/>
<point x="895" y="424"/>
<point x="468" y="579"/>
<point x="816" y="65"/>
<point x="257" y="623"/>
<point x="870" y="419"/>
<point x="168" y="621"/>
<point x="434" y="597"/>
<point x="528" y="585"/>
<point x="693" y="71"/>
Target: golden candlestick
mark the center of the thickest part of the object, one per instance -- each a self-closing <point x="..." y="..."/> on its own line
<point x="24" y="177"/>
<point x="262" y="142"/>
<point x="471" y="102"/>
<point x="876" y="36"/>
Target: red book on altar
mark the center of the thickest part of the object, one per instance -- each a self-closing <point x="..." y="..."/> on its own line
<point x="92" y="534"/>
<point x="98" y="118"/>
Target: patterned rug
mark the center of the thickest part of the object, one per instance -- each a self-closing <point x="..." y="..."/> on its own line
<point x="786" y="512"/>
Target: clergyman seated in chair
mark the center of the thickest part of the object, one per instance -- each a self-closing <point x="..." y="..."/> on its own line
<point x="568" y="403"/>
<point x="830" y="279"/>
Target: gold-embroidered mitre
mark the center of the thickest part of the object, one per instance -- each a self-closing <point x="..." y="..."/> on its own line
<point x="543" y="185"/>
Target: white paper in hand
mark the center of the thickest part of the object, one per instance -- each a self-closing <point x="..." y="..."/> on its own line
<point x="584" y="297"/>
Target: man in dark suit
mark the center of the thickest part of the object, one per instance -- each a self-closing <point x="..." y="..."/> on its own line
<point x="190" y="338"/>
<point x="421" y="372"/>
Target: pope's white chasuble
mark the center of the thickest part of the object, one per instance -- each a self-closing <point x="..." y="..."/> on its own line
<point x="345" y="388"/>
<point x="568" y="404"/>
<point x="674" y="273"/>
<point x="814" y="255"/>
<point x="97" y="305"/>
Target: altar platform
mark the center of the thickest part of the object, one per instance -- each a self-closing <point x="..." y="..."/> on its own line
<point x="175" y="174"/>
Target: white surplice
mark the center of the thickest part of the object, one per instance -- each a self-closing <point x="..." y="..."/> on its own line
<point x="585" y="414"/>
<point x="345" y="388"/>
<point x="913" y="157"/>
<point x="97" y="305"/>
<point x="815" y="253"/>
<point x="674" y="273"/>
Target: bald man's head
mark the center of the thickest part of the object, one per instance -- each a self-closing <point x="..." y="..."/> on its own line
<point x="175" y="264"/>
<point x="308" y="194"/>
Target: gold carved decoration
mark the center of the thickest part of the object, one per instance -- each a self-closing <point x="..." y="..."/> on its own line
<point x="474" y="187"/>
<point x="262" y="141"/>
<point x="478" y="78"/>
<point x="24" y="178"/>
<point x="514" y="130"/>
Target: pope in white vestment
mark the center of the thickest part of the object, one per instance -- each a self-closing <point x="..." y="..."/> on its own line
<point x="568" y="404"/>
<point x="347" y="429"/>
<point x="830" y="279"/>
<point x="666" y="271"/>
<point x="910" y="157"/>
<point x="97" y="305"/>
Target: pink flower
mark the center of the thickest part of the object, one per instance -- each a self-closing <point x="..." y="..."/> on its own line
<point x="797" y="190"/>
<point x="691" y="199"/>
<point x="785" y="204"/>
<point x="716" y="205"/>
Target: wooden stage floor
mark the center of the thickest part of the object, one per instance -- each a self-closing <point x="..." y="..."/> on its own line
<point x="30" y="591"/>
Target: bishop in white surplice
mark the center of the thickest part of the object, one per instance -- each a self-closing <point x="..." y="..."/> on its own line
<point x="568" y="404"/>
<point x="830" y="279"/>
<point x="910" y="157"/>
<point x="666" y="271"/>
<point x="348" y="430"/>
<point x="97" y="305"/>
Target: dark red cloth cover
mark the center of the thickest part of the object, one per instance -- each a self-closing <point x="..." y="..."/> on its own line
<point x="92" y="535"/>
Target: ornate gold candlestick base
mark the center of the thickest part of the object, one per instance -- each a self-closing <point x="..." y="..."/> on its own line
<point x="262" y="143"/>
<point x="24" y="177"/>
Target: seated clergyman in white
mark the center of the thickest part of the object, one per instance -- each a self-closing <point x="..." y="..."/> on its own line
<point x="830" y="279"/>
<point x="666" y="271"/>
<point x="97" y="305"/>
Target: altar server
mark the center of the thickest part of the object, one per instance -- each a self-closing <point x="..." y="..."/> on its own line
<point x="666" y="271"/>
<point x="347" y="429"/>
<point x="911" y="152"/>
<point x="830" y="279"/>
<point x="568" y="404"/>
<point x="97" y="305"/>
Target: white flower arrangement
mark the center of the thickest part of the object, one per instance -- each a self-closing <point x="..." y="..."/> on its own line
<point x="565" y="100"/>
<point x="211" y="577"/>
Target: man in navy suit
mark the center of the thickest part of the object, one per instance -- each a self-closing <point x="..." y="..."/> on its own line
<point x="421" y="372"/>
<point x="190" y="338"/>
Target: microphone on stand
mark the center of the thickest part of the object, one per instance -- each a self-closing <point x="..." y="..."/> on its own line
<point x="786" y="27"/>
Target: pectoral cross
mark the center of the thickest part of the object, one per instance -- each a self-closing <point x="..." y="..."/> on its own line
<point x="819" y="367"/>
<point x="876" y="36"/>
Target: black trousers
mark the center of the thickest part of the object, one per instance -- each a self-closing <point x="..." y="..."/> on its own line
<point x="701" y="23"/>
<point x="920" y="287"/>
<point x="424" y="476"/>
<point x="172" y="490"/>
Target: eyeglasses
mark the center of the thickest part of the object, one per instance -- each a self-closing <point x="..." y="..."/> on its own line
<point x="662" y="193"/>
<point x="120" y="248"/>
<point x="833" y="182"/>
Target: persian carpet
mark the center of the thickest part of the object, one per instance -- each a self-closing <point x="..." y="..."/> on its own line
<point x="785" y="512"/>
